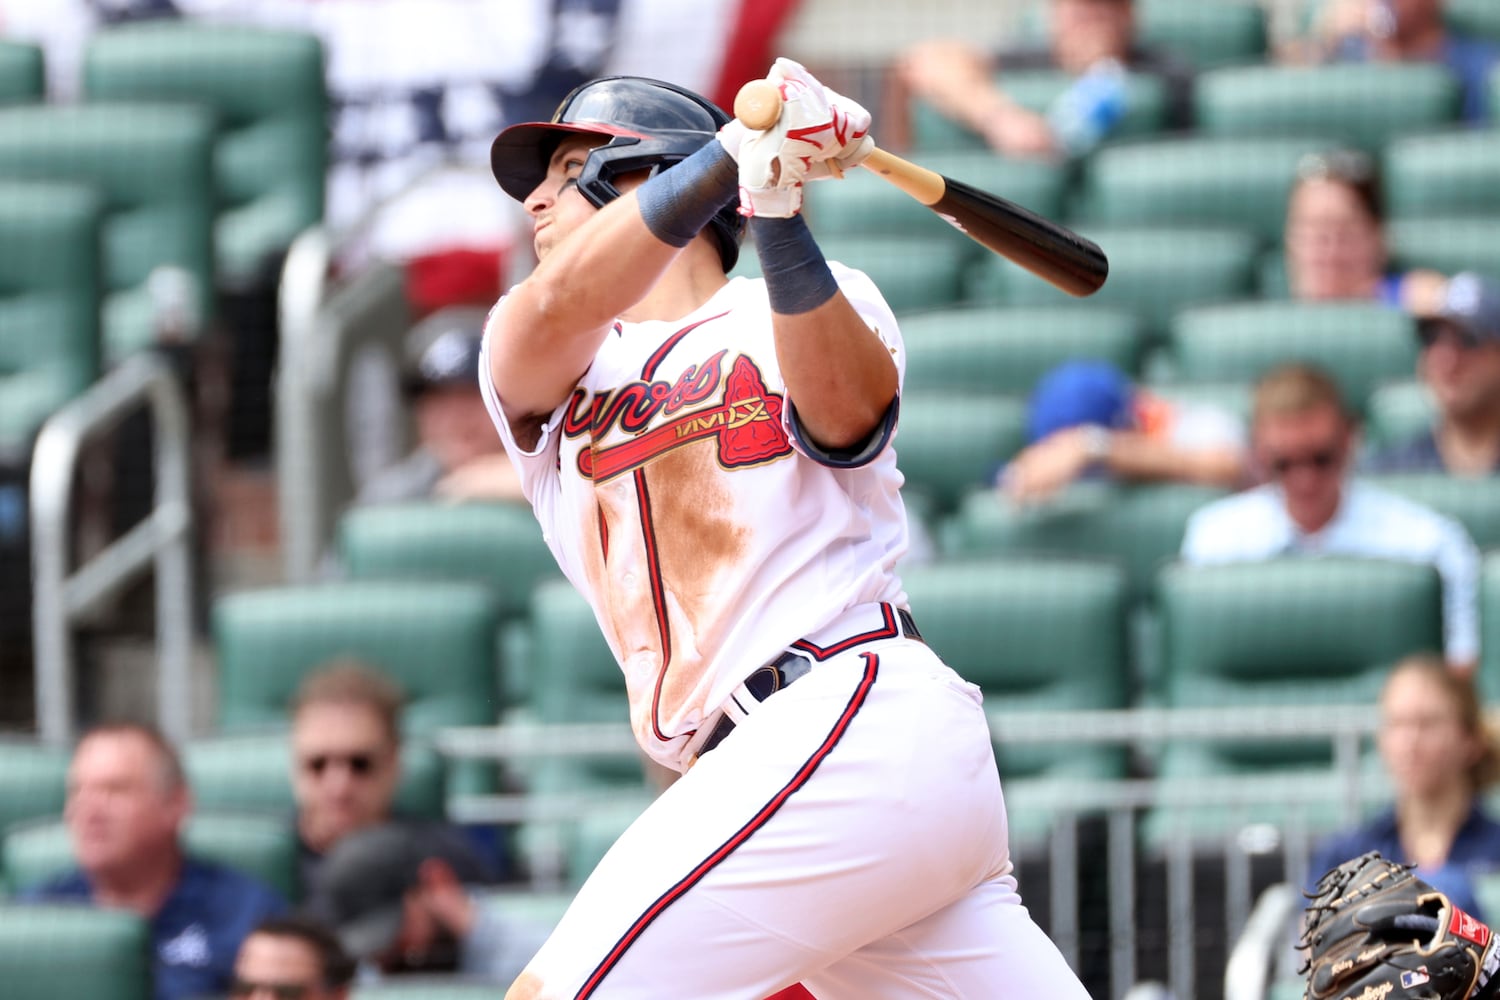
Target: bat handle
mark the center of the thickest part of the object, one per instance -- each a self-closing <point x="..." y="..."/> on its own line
<point x="758" y="104"/>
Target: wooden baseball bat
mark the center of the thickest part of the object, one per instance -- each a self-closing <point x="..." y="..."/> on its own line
<point x="1052" y="252"/>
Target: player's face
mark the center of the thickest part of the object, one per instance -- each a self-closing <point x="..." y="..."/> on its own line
<point x="1306" y="454"/>
<point x="272" y="967"/>
<point x="556" y="206"/>
<point x="120" y="808"/>
<point x="1464" y="376"/>
<point x="345" y="769"/>
<point x="1422" y="738"/>
<point x="1334" y="248"/>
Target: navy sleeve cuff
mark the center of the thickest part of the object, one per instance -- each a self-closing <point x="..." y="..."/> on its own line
<point x="851" y="458"/>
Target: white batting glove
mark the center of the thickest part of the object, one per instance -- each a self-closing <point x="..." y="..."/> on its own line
<point x="819" y="134"/>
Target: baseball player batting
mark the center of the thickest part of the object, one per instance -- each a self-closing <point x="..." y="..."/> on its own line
<point x="711" y="462"/>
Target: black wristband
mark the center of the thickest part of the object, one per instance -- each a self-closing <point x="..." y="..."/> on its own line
<point x="680" y="200"/>
<point x="797" y="276"/>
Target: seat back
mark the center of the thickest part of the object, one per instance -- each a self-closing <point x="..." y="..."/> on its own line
<point x="1473" y="502"/>
<point x="1362" y="103"/>
<point x="1447" y="243"/>
<point x="33" y="781"/>
<point x="436" y="639"/>
<point x="1232" y="181"/>
<point x="499" y="545"/>
<point x="948" y="443"/>
<point x="60" y="952"/>
<point x="1361" y="344"/>
<point x="49" y="301"/>
<point x="267" y="88"/>
<point x="1489" y="627"/>
<point x="998" y="350"/>
<point x="1153" y="271"/>
<point x="1205" y="34"/>
<point x="1398" y="411"/>
<point x="264" y="847"/>
<point x="1479" y="18"/>
<point x="1448" y="173"/>
<point x="151" y="164"/>
<point x="22" y="76"/>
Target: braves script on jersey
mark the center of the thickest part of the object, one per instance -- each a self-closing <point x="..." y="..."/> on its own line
<point x="673" y="491"/>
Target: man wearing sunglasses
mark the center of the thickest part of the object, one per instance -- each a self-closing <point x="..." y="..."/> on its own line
<point x="1303" y="440"/>
<point x="1460" y="366"/>
<point x="291" y="958"/>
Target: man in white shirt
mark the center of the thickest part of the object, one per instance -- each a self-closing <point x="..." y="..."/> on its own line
<point x="1303" y="442"/>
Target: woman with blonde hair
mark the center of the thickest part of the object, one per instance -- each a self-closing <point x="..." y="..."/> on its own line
<point x="1440" y="758"/>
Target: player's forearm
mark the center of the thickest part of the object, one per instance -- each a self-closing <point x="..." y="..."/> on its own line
<point x="838" y="373"/>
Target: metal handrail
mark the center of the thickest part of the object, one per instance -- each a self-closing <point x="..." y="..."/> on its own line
<point x="62" y="596"/>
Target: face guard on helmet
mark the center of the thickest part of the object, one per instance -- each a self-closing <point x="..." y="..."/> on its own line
<point x="647" y="125"/>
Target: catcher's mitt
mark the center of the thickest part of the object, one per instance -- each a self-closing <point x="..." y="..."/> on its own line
<point x="1375" y="931"/>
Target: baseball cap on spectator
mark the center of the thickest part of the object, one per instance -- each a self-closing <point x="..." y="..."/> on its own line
<point x="365" y="877"/>
<point x="443" y="349"/>
<point x="1471" y="305"/>
<point x="1077" y="393"/>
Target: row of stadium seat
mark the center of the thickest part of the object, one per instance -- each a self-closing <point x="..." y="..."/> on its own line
<point x="196" y="156"/>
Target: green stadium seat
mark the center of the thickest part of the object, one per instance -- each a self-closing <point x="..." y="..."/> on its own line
<point x="436" y="639"/>
<point x="1278" y="633"/>
<point x="22" y="72"/>
<point x="258" y="845"/>
<point x="1003" y="350"/>
<point x="152" y="165"/>
<point x="947" y="442"/>
<point x="1034" y="635"/>
<point x="1473" y="502"/>
<point x="423" y="987"/>
<point x="1447" y="243"/>
<point x="1361" y="344"/>
<point x="499" y="545"/>
<point x="1362" y="103"/>
<point x="1153" y="270"/>
<point x="1452" y="173"/>
<point x="1234" y="398"/>
<point x="251" y="772"/>
<point x="1145" y="99"/>
<point x="1398" y="411"/>
<point x="1479" y="18"/>
<point x="911" y="272"/>
<point x="1205" y="34"/>
<point x="267" y="89"/>
<point x="864" y="204"/>
<point x="1220" y="180"/>
<point x="50" y="289"/>
<point x="1489" y="628"/>
<point x="59" y="952"/>
<point x="1139" y="527"/>
<point x="33" y="781"/>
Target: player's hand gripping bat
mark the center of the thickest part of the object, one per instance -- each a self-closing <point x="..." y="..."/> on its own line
<point x="1052" y="252"/>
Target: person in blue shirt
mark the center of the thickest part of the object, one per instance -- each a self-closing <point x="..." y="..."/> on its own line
<point x="1440" y="758"/>
<point x="1460" y="366"/>
<point x="127" y="801"/>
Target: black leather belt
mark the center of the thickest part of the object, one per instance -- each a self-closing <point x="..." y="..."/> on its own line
<point x="780" y="672"/>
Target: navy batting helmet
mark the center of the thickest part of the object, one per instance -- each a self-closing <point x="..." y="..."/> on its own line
<point x="650" y="125"/>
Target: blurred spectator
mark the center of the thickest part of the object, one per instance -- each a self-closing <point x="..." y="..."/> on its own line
<point x="1085" y="417"/>
<point x="1399" y="31"/>
<point x="291" y="958"/>
<point x="1440" y="759"/>
<point x="1091" y="40"/>
<point x="458" y="455"/>
<point x="346" y="757"/>
<point x="1303" y="440"/>
<point x="126" y="805"/>
<point x="1336" y="240"/>
<point x="1460" y="365"/>
<point x="402" y="900"/>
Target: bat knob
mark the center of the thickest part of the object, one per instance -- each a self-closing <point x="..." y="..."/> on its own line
<point x="758" y="104"/>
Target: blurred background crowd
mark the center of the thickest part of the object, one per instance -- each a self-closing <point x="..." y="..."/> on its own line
<point x="291" y="691"/>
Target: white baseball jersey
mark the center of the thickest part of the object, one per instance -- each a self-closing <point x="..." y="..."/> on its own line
<point x="673" y="490"/>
